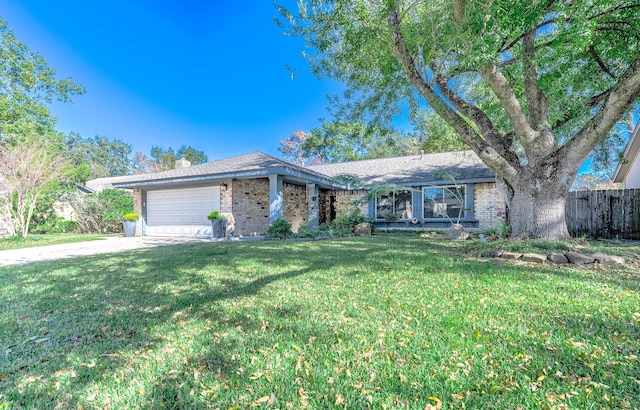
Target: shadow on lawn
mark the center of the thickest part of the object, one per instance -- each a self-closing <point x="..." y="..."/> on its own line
<point x="104" y="306"/>
<point x="100" y="307"/>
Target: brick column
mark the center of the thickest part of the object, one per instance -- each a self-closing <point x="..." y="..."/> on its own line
<point x="137" y="208"/>
<point x="226" y="197"/>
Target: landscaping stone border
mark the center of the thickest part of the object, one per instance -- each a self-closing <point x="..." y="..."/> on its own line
<point x="570" y="257"/>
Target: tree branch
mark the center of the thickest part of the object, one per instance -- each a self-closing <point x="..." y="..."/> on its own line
<point x="502" y="143"/>
<point x="468" y="134"/>
<point x="537" y="104"/>
<point x="614" y="9"/>
<point x="517" y="39"/>
<point x="601" y="63"/>
<point x="616" y="102"/>
<point x="501" y="87"/>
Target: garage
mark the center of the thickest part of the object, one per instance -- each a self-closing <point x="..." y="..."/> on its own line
<point x="181" y="212"/>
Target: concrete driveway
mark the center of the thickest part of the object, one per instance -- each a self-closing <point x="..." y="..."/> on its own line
<point x="73" y="250"/>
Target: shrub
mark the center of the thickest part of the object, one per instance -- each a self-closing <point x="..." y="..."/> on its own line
<point x="55" y="224"/>
<point x="304" y="232"/>
<point x="347" y="221"/>
<point x="102" y="212"/>
<point x="280" y="228"/>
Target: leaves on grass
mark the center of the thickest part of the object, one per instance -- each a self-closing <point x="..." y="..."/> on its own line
<point x="366" y="318"/>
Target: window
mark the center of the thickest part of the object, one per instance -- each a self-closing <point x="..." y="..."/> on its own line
<point x="396" y="205"/>
<point x="444" y="202"/>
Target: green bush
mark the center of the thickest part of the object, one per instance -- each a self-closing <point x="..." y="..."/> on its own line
<point x="102" y="212"/>
<point x="304" y="232"/>
<point x="347" y="221"/>
<point x="55" y="224"/>
<point x="280" y="228"/>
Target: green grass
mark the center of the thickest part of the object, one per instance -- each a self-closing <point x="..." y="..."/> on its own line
<point x="34" y="240"/>
<point x="377" y="322"/>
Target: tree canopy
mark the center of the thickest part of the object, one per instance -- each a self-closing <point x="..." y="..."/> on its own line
<point x="102" y="156"/>
<point x="27" y="85"/>
<point x="531" y="87"/>
<point x="341" y="141"/>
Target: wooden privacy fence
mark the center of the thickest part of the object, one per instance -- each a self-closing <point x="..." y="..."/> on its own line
<point x="608" y="214"/>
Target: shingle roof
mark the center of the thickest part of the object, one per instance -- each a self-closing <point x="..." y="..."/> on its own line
<point x="466" y="165"/>
<point x="246" y="163"/>
<point x="399" y="170"/>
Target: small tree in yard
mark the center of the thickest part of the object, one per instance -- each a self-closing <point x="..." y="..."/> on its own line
<point x="532" y="87"/>
<point x="28" y="166"/>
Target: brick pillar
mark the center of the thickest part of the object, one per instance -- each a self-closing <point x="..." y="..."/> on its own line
<point x="226" y="196"/>
<point x="137" y="208"/>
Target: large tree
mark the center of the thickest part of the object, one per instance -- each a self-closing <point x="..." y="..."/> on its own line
<point x="27" y="85"/>
<point x="530" y="86"/>
<point x="31" y="162"/>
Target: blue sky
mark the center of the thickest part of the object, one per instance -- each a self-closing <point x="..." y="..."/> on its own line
<point x="201" y="73"/>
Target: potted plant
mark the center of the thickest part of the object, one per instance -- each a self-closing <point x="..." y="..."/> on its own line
<point x="129" y="222"/>
<point x="218" y="224"/>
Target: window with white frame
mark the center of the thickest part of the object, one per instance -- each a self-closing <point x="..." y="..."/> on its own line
<point x="446" y="202"/>
<point x="396" y="205"/>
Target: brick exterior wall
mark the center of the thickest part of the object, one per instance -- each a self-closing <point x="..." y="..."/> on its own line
<point x="294" y="205"/>
<point x="489" y="206"/>
<point x="226" y="196"/>
<point x="344" y="201"/>
<point x="137" y="208"/>
<point x="250" y="206"/>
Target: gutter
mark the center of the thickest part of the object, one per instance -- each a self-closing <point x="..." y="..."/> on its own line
<point x="199" y="178"/>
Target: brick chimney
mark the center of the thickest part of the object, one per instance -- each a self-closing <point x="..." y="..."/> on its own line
<point x="182" y="162"/>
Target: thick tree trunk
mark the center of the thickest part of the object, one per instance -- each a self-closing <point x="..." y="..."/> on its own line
<point x="538" y="215"/>
<point x="537" y="204"/>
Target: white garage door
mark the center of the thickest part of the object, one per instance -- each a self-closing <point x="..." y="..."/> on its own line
<point x="181" y="212"/>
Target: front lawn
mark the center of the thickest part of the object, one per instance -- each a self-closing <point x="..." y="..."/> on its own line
<point x="35" y="240"/>
<point x="375" y="322"/>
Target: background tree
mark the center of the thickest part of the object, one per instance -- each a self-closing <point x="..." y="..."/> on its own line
<point x="340" y="141"/>
<point x="30" y="167"/>
<point x="291" y="149"/>
<point x="162" y="159"/>
<point x="531" y="87"/>
<point x="103" y="157"/>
